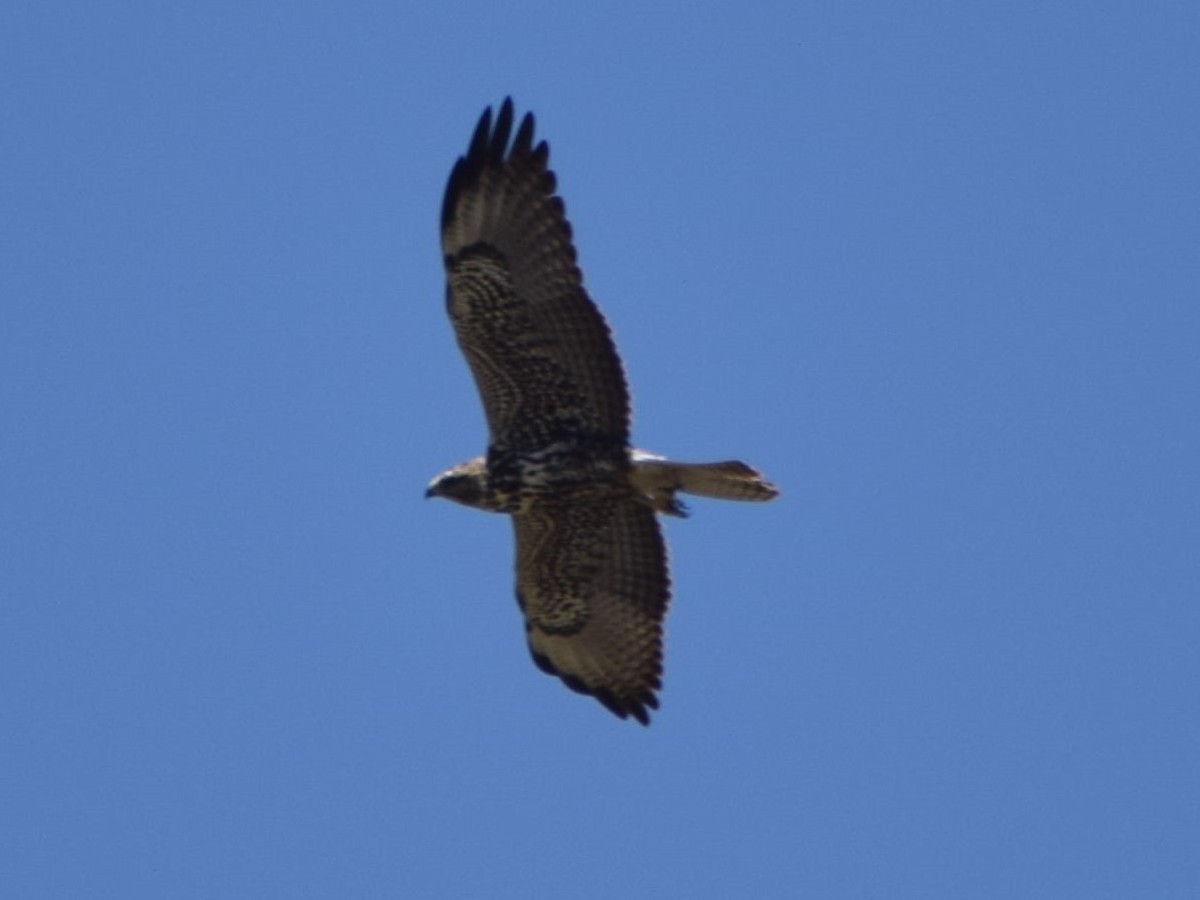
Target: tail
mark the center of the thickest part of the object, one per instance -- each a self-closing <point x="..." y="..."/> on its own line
<point x="660" y="479"/>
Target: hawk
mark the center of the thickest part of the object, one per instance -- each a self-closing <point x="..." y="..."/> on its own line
<point x="592" y="580"/>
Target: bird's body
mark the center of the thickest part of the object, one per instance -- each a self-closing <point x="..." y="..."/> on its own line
<point x="656" y="479"/>
<point x="592" y="578"/>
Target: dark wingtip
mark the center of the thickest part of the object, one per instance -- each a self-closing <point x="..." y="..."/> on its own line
<point x="453" y="186"/>
<point x="467" y="168"/>
<point x="499" y="141"/>
<point x="523" y="143"/>
<point x="622" y="709"/>
<point x="626" y="708"/>
<point x="488" y="147"/>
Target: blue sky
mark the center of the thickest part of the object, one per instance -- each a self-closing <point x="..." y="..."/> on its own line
<point x="931" y="266"/>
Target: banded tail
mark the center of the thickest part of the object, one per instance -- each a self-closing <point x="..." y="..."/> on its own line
<point x="659" y="479"/>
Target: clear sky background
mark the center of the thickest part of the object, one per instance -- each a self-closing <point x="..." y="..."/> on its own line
<point x="932" y="266"/>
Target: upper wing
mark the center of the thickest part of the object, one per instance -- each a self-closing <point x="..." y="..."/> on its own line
<point x="592" y="582"/>
<point x="541" y="353"/>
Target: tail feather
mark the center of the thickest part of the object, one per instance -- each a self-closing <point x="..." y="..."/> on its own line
<point x="729" y="480"/>
<point x="660" y="479"/>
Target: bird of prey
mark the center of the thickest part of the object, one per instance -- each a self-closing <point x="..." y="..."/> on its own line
<point x="592" y="578"/>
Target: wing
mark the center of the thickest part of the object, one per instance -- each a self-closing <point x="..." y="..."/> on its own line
<point x="592" y="582"/>
<point x="541" y="353"/>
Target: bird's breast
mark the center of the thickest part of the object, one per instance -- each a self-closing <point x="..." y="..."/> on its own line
<point x="516" y="477"/>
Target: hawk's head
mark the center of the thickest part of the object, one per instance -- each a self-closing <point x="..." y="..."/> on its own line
<point x="465" y="483"/>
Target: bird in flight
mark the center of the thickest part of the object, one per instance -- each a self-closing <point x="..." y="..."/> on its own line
<point x="591" y="567"/>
